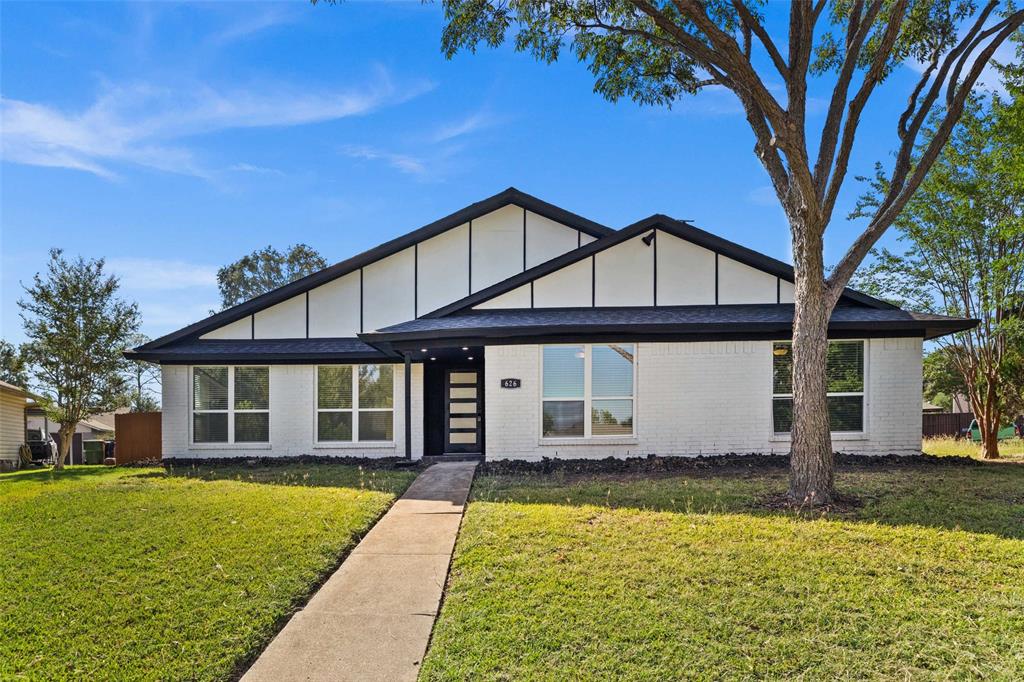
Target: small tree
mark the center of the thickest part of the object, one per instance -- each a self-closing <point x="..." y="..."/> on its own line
<point x="13" y="368"/>
<point x="77" y="330"/>
<point x="143" y="378"/>
<point x="656" y="51"/>
<point x="964" y="237"/>
<point x="264" y="270"/>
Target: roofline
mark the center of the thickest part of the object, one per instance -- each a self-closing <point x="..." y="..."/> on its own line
<point x="657" y="221"/>
<point x="712" y="331"/>
<point x="510" y="196"/>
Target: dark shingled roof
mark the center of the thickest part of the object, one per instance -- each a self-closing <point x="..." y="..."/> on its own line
<point x="764" y="319"/>
<point x="261" y="351"/>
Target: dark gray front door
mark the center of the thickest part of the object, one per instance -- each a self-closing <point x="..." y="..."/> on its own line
<point x="463" y="410"/>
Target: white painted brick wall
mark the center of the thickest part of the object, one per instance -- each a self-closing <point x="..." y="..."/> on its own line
<point x="703" y="398"/>
<point x="292" y="418"/>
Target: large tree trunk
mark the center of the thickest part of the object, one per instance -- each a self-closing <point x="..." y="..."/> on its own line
<point x="986" y="413"/>
<point x="67" y="434"/>
<point x="811" y="462"/>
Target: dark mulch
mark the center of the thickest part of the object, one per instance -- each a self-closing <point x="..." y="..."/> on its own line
<point x="260" y="462"/>
<point x="654" y="464"/>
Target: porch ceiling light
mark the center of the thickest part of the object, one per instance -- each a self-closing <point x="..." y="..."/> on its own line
<point x="465" y="348"/>
<point x="423" y="350"/>
<point x="433" y="358"/>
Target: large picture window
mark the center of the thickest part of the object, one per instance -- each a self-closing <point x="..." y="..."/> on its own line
<point x="845" y="377"/>
<point x="588" y="390"/>
<point x="231" y="404"/>
<point x="355" y="403"/>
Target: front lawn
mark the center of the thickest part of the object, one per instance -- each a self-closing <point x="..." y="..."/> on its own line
<point x="690" y="575"/>
<point x="1011" y="449"/>
<point x="144" y="574"/>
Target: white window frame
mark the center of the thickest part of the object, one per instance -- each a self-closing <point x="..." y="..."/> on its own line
<point x="588" y="399"/>
<point x="355" y="409"/>
<point x="837" y="435"/>
<point x="230" y="442"/>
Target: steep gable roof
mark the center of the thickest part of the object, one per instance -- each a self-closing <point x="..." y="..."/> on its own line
<point x="661" y="222"/>
<point x="510" y="196"/>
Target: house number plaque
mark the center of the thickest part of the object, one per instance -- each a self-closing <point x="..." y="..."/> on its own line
<point x="511" y="383"/>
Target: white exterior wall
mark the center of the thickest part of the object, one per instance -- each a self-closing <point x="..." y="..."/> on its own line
<point x="703" y="398"/>
<point x="286" y="320"/>
<point x="292" y="418"/>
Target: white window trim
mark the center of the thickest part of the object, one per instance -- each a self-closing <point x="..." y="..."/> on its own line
<point x="354" y="410"/>
<point x="863" y="434"/>
<point x="230" y="442"/>
<point x="588" y="399"/>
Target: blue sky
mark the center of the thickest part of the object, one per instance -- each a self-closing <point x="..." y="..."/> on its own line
<point x="172" y="139"/>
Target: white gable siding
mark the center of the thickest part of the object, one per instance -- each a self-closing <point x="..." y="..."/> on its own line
<point x="625" y="274"/>
<point x="286" y="320"/>
<point x="739" y="283"/>
<point x="686" y="272"/>
<point x="334" y="308"/>
<point x="497" y="248"/>
<point x="569" y="287"/>
<point x="787" y="292"/>
<point x="546" y="239"/>
<point x="239" y="329"/>
<point x="586" y="238"/>
<point x="517" y="298"/>
<point x="388" y="290"/>
<point x="442" y="269"/>
<point x="420" y="279"/>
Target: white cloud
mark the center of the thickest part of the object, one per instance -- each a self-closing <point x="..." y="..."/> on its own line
<point x="252" y="168"/>
<point x="466" y="126"/>
<point x="144" y="125"/>
<point x="401" y="162"/>
<point x="153" y="274"/>
<point x="251" y="25"/>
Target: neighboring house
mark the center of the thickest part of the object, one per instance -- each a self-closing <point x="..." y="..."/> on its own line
<point x="14" y="401"/>
<point x="515" y="329"/>
<point x="96" y="427"/>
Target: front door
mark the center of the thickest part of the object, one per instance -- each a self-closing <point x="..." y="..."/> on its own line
<point x="463" y="411"/>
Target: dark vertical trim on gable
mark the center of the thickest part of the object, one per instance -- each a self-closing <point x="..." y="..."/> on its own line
<point x="415" y="280"/>
<point x="778" y="290"/>
<point x="579" y="239"/>
<point x="716" y="278"/>
<point x="361" y="330"/>
<point x="593" y="281"/>
<point x="654" y="243"/>
<point x="469" y="255"/>
<point x="531" y="293"/>
<point x="524" y="240"/>
<point x="252" y="326"/>
<point x="307" y="314"/>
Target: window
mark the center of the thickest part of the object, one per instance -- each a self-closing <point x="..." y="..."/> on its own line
<point x="355" y="403"/>
<point x="595" y="380"/>
<point x="845" y="376"/>
<point x="231" y="404"/>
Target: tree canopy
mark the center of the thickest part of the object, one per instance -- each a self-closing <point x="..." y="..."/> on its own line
<point x="264" y="270"/>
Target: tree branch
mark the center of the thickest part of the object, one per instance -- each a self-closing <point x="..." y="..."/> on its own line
<point x="751" y="22"/>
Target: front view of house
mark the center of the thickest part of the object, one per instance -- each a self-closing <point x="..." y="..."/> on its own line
<point x="513" y="329"/>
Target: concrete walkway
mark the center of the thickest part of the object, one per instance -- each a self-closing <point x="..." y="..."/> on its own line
<point x="372" y="619"/>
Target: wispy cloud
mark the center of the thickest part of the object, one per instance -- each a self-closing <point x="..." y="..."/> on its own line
<point x="145" y="125"/>
<point x="465" y="126"/>
<point x="401" y="162"/>
<point x="154" y="274"/>
<point x="253" y="24"/>
<point x="252" y="168"/>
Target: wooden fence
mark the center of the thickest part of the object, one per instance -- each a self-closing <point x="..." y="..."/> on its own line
<point x="945" y="423"/>
<point x="138" y="437"/>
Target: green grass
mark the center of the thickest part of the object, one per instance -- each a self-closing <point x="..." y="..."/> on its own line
<point x="1011" y="449"/>
<point x="690" y="576"/>
<point x="140" y="574"/>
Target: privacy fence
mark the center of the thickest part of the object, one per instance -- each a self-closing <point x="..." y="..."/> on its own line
<point x="945" y="423"/>
<point x="138" y="437"/>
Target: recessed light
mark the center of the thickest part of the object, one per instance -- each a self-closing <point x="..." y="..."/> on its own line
<point x="423" y="350"/>
<point x="465" y="348"/>
<point x="433" y="358"/>
<point x="470" y="357"/>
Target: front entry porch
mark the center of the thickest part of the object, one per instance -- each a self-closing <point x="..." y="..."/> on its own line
<point x="453" y="404"/>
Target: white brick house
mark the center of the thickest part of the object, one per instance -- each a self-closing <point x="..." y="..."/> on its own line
<point x="515" y="329"/>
